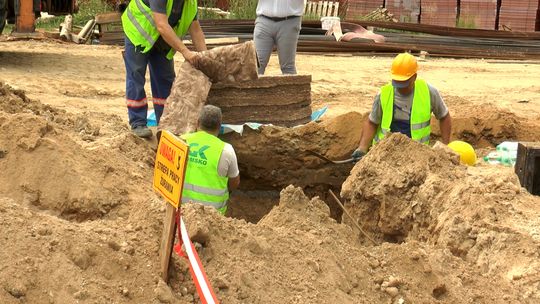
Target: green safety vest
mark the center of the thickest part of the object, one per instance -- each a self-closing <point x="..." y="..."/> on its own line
<point x="420" y="112"/>
<point x="202" y="183"/>
<point x="140" y="27"/>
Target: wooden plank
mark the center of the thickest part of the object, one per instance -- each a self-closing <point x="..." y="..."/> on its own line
<point x="108" y="18"/>
<point x="167" y="241"/>
<point x="215" y="10"/>
<point x="305" y="6"/>
<point x="226" y="40"/>
<point x="336" y="9"/>
<point x="314" y="8"/>
<point x="319" y="8"/>
<point x="324" y="9"/>
<point x="310" y="8"/>
<point x="329" y="12"/>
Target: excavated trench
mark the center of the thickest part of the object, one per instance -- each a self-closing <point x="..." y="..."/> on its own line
<point x="273" y="157"/>
<point x="96" y="179"/>
<point x="86" y="182"/>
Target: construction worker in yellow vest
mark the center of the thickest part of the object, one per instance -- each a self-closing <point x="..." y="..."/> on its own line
<point x="405" y="106"/>
<point x="154" y="30"/>
<point x="212" y="169"/>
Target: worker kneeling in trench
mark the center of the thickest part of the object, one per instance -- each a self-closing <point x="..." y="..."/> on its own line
<point x="405" y="106"/>
<point x="212" y="167"/>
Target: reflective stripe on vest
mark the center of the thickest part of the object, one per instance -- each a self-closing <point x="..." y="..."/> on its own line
<point x="202" y="183"/>
<point x="211" y="204"/>
<point x="204" y="190"/>
<point x="420" y="112"/>
<point x="140" y="27"/>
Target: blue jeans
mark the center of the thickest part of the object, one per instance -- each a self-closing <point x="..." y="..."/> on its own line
<point x="161" y="80"/>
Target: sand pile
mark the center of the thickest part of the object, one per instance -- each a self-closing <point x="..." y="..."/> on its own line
<point x="79" y="220"/>
<point x="81" y="224"/>
<point x="403" y="191"/>
<point x="44" y="165"/>
<point x="486" y="125"/>
<point x="298" y="254"/>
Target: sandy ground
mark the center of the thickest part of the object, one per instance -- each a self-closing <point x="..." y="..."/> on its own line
<point x="81" y="227"/>
<point x="92" y="78"/>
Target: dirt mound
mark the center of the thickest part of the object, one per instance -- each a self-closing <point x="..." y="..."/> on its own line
<point x="78" y="216"/>
<point x="44" y="166"/>
<point x="486" y="125"/>
<point x="403" y="191"/>
<point x="81" y="223"/>
<point x="298" y="254"/>
<point x="49" y="260"/>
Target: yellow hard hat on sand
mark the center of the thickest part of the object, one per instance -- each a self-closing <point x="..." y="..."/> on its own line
<point x="466" y="152"/>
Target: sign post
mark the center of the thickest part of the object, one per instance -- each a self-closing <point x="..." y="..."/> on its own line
<point x="169" y="173"/>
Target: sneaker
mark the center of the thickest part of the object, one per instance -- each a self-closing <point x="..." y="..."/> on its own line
<point x="142" y="131"/>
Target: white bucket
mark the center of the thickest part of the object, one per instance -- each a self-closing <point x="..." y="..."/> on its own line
<point x="328" y="22"/>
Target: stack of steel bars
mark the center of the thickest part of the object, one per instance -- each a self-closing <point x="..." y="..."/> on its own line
<point x="405" y="11"/>
<point x="359" y="9"/>
<point x="520" y="15"/>
<point x="436" y="40"/>
<point x="439" y="12"/>
<point x="479" y="14"/>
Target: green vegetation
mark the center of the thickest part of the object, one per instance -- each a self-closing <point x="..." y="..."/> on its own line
<point x="50" y="23"/>
<point x="207" y="15"/>
<point x="466" y="22"/>
<point x="88" y="9"/>
<point x="310" y="17"/>
<point x="8" y="28"/>
<point x="243" y="9"/>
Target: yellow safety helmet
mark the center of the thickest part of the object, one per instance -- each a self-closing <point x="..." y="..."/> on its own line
<point x="466" y="152"/>
<point x="404" y="67"/>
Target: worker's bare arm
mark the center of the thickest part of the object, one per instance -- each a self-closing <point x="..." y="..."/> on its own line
<point x="197" y="36"/>
<point x="446" y="128"/>
<point x="368" y="132"/>
<point x="234" y="182"/>
<point x="168" y="34"/>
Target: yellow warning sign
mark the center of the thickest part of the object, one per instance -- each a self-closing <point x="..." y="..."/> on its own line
<point x="170" y="167"/>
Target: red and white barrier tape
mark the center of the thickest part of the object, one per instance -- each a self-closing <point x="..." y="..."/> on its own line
<point x="204" y="289"/>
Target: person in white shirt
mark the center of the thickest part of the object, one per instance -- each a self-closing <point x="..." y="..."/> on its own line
<point x="278" y="24"/>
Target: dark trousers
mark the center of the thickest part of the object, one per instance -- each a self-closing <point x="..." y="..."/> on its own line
<point x="161" y="80"/>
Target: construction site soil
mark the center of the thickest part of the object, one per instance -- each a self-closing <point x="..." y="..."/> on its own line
<point x="81" y="224"/>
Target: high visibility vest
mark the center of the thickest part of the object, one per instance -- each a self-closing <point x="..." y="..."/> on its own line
<point x="140" y="27"/>
<point x="202" y="183"/>
<point x="420" y="112"/>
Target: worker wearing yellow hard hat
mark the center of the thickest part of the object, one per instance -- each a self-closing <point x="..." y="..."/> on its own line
<point x="405" y="105"/>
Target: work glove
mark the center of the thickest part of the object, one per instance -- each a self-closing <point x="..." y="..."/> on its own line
<point x="357" y="155"/>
